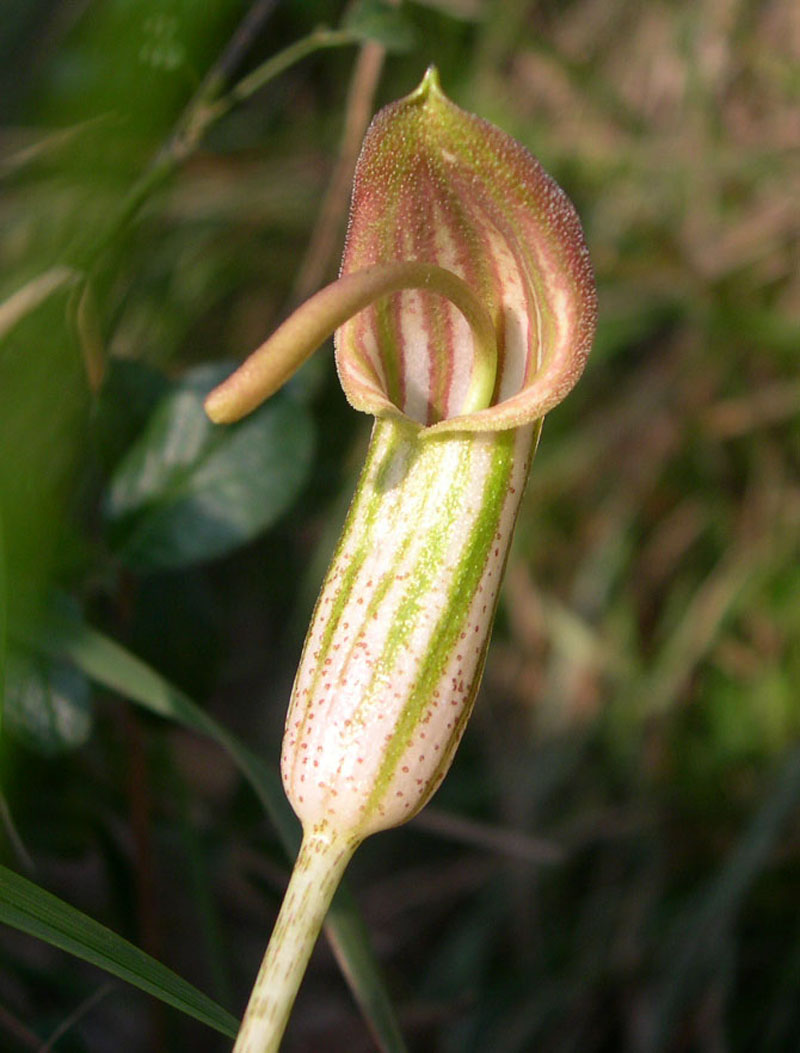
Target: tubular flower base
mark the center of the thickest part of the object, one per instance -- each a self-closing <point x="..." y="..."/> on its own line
<point x="464" y="312"/>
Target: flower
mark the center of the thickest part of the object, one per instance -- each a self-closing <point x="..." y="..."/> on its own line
<point x="465" y="311"/>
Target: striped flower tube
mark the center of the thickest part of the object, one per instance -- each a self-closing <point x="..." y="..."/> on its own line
<point x="464" y="312"/>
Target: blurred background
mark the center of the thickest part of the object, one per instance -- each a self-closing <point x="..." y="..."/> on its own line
<point x="614" y="860"/>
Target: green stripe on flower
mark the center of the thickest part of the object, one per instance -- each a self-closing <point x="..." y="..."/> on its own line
<point x="397" y="640"/>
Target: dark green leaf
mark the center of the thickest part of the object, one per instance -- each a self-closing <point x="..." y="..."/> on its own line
<point x="189" y="490"/>
<point x="48" y="703"/>
<point x="25" y="906"/>
<point x="381" y="21"/>
<point x="129" y="396"/>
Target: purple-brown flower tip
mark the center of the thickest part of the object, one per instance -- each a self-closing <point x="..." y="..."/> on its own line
<point x="439" y="185"/>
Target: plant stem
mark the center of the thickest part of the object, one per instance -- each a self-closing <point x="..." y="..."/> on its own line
<point x="235" y="51"/>
<point x="317" y="872"/>
<point x="317" y="40"/>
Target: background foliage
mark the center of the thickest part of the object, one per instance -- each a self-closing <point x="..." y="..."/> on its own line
<point x="613" y="862"/>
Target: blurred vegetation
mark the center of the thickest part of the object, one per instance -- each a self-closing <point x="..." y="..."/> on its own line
<point x="613" y="861"/>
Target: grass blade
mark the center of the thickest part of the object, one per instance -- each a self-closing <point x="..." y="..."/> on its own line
<point x="26" y="906"/>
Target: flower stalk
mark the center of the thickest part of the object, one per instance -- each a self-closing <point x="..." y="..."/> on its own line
<point x="464" y="312"/>
<point x="317" y="871"/>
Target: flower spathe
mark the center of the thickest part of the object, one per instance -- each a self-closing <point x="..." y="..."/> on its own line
<point x="442" y="187"/>
<point x="393" y="658"/>
<point x="464" y="312"/>
<point x="438" y="184"/>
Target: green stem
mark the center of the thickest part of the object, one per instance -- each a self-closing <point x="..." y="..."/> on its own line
<point x="316" y="41"/>
<point x="317" y="872"/>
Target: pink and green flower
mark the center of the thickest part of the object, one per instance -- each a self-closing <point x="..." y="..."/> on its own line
<point x="464" y="312"/>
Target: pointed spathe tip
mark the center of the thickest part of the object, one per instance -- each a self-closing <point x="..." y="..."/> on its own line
<point x="429" y="87"/>
<point x="431" y="82"/>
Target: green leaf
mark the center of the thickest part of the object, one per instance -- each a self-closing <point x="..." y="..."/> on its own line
<point x="29" y="908"/>
<point x="382" y="22"/>
<point x="130" y="394"/>
<point x="47" y="704"/>
<point x="111" y="665"/>
<point x="189" y="491"/>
